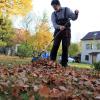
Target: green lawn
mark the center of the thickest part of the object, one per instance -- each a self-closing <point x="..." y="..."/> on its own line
<point x="80" y="65"/>
<point x="7" y="60"/>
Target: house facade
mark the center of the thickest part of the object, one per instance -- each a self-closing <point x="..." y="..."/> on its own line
<point x="91" y="47"/>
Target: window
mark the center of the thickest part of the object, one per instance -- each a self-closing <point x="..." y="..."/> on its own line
<point x="87" y="57"/>
<point x="98" y="46"/>
<point x="88" y="46"/>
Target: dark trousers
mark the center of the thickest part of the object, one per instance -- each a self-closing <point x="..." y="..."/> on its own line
<point x="65" y="38"/>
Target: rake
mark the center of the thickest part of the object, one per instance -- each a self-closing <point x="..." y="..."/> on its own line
<point x="43" y="51"/>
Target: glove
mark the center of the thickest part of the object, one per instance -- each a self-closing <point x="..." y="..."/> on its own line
<point x="76" y="12"/>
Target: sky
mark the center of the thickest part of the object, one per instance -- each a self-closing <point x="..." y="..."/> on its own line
<point x="89" y="15"/>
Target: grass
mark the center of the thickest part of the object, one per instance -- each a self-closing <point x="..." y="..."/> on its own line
<point x="13" y="60"/>
<point x="6" y="60"/>
<point x="80" y="65"/>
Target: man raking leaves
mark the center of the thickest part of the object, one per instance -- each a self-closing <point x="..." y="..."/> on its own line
<point x="60" y="17"/>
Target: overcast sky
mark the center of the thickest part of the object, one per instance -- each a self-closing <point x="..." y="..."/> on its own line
<point x="89" y="16"/>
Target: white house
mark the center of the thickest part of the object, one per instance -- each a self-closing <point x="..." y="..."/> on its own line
<point x="91" y="47"/>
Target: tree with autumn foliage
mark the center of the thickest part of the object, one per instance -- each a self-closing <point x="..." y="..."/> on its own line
<point x="12" y="7"/>
<point x="6" y="31"/>
<point x="9" y="8"/>
<point x="21" y="36"/>
<point x="43" y="35"/>
<point x="17" y="7"/>
<point x="25" y="41"/>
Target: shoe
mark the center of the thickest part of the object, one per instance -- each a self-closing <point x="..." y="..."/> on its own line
<point x="65" y="65"/>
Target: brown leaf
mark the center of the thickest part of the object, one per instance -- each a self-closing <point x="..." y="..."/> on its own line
<point x="36" y="88"/>
<point x="31" y="98"/>
<point x="55" y="93"/>
<point x="44" y="91"/>
<point x="15" y="91"/>
<point x="62" y="88"/>
<point x="98" y="89"/>
<point x="97" y="97"/>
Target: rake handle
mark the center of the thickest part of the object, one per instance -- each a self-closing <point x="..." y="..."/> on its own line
<point x="52" y="40"/>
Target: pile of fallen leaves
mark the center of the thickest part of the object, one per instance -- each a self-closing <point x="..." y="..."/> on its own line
<point x="42" y="81"/>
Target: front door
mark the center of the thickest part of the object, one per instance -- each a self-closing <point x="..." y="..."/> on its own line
<point x="94" y="58"/>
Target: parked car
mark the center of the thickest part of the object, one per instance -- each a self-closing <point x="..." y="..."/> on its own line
<point x="70" y="59"/>
<point x="77" y="58"/>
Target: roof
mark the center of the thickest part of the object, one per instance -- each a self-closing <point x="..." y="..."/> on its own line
<point x="92" y="36"/>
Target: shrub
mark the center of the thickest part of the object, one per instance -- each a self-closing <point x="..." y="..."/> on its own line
<point x="25" y="50"/>
<point x="97" y="66"/>
<point x="2" y="44"/>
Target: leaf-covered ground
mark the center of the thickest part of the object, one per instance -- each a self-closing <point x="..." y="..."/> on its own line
<point x="42" y="81"/>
